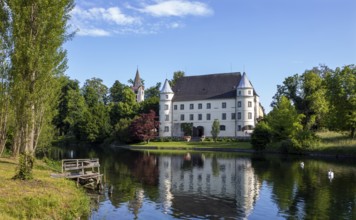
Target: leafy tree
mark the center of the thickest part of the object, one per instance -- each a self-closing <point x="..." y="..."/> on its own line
<point x="308" y="94"/>
<point x="5" y="49"/>
<point x="153" y="92"/>
<point x="176" y="76"/>
<point x="342" y="96"/>
<point x="149" y="104"/>
<point x="144" y="127"/>
<point x="284" y="120"/>
<point x="61" y="119"/>
<point x="187" y="128"/>
<point x="261" y="136"/>
<point x="116" y="91"/>
<point x="75" y="115"/>
<point x="122" y="130"/>
<point x="38" y="31"/>
<point x="95" y="91"/>
<point x="215" y="129"/>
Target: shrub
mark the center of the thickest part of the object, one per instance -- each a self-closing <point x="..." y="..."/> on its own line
<point x="261" y="136"/>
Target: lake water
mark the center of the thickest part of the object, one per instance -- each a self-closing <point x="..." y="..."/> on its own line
<point x="141" y="185"/>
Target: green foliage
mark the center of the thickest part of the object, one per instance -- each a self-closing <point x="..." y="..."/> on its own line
<point x="176" y="76"/>
<point x="24" y="169"/>
<point x="122" y="130"/>
<point x="261" y="136"/>
<point x="284" y="120"/>
<point x="215" y="129"/>
<point x="187" y="128"/>
<point x="116" y="92"/>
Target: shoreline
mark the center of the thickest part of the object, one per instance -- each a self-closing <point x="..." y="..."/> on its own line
<point x="235" y="150"/>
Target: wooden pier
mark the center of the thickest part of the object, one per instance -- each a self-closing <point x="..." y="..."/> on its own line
<point x="85" y="171"/>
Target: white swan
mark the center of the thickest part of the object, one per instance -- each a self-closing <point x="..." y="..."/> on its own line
<point x="302" y="165"/>
<point x="330" y="175"/>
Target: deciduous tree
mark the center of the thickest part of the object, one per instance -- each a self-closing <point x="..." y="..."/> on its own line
<point x="144" y="127"/>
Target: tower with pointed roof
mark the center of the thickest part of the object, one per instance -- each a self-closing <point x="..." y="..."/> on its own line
<point x="245" y="106"/>
<point x="138" y="88"/>
<point x="199" y="100"/>
<point x="165" y="110"/>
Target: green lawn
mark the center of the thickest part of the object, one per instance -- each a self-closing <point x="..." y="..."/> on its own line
<point x="335" y="143"/>
<point x="331" y="143"/>
<point x="190" y="145"/>
<point x="41" y="198"/>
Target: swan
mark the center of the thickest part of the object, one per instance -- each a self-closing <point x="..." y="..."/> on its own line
<point x="330" y="174"/>
<point x="302" y="165"/>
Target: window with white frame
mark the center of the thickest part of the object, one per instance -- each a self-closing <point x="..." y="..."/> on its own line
<point x="181" y="106"/>
<point x="208" y="105"/>
<point x="166" y="107"/>
<point x="223" y="116"/>
<point x="191" y="106"/>
<point x="250" y="115"/>
<point x="208" y="117"/>
<point x="191" y="117"/>
<point x="166" y="129"/>
<point x="233" y="116"/>
<point x="249" y="104"/>
<point x="167" y="118"/>
<point x="239" y="115"/>
<point x="182" y="117"/>
<point x="200" y="106"/>
<point x="223" y="105"/>
<point x="200" y="117"/>
<point x="239" y="104"/>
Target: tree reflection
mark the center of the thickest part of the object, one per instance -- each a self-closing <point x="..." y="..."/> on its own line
<point x="308" y="193"/>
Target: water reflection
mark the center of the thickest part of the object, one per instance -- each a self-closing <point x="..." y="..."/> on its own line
<point x="206" y="186"/>
<point x="222" y="186"/>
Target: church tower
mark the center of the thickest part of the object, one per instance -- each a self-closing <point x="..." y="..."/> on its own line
<point x="165" y="110"/>
<point x="245" y="107"/>
<point x="138" y="88"/>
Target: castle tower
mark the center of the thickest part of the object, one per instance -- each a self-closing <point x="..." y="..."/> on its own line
<point x="166" y="110"/>
<point x="138" y="88"/>
<point x="245" y="107"/>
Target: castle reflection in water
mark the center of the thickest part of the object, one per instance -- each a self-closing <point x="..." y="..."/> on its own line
<point x="195" y="185"/>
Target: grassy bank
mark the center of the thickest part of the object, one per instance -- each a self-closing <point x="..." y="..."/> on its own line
<point x="41" y="198"/>
<point x="331" y="143"/>
<point x="181" y="145"/>
<point x="335" y="143"/>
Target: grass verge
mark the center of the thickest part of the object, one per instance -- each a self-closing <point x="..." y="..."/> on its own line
<point x="41" y="198"/>
<point x="180" y="145"/>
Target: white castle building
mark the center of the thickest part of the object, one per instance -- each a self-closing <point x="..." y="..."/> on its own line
<point x="228" y="97"/>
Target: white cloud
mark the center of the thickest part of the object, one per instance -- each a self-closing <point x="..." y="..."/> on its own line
<point x="94" y="32"/>
<point x="112" y="14"/>
<point x="177" y="8"/>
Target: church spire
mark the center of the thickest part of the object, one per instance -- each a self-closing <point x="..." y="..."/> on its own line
<point x="137" y="80"/>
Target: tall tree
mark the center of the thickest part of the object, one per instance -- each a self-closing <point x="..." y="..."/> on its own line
<point x="215" y="129"/>
<point x="342" y="96"/>
<point x="95" y="126"/>
<point x="5" y="104"/>
<point x="284" y="120"/>
<point x="61" y="119"/>
<point x="176" y="76"/>
<point x="116" y="91"/>
<point x="38" y="31"/>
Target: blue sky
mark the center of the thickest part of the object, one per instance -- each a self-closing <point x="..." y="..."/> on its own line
<point x="269" y="40"/>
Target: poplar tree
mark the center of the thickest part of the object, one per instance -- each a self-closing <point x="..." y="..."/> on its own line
<point x="38" y="31"/>
<point x="5" y="48"/>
